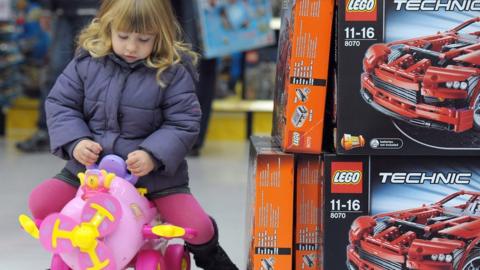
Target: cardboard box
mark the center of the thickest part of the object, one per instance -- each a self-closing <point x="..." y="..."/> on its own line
<point x="309" y="213"/>
<point x="408" y="78"/>
<point x="269" y="206"/>
<point x="302" y="71"/>
<point x="401" y="212"/>
<point x="228" y="27"/>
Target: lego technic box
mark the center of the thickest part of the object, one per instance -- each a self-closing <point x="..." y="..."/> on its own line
<point x="399" y="213"/>
<point x="301" y="75"/>
<point x="408" y="73"/>
<point x="284" y="209"/>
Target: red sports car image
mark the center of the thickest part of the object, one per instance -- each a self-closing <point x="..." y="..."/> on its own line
<point x="431" y="81"/>
<point x="441" y="236"/>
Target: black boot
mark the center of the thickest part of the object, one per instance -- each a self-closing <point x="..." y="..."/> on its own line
<point x="211" y="256"/>
<point x="39" y="142"/>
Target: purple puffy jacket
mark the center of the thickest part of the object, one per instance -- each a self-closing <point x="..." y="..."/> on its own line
<point x="121" y="106"/>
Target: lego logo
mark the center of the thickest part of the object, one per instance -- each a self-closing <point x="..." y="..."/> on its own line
<point x="296" y="138"/>
<point x="361" y="5"/>
<point x="361" y="10"/>
<point x="347" y="177"/>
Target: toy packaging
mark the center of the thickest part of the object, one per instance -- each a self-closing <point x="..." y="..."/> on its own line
<point x="309" y="211"/>
<point x="236" y="25"/>
<point x="396" y="213"/>
<point x="269" y="206"/>
<point x="302" y="70"/>
<point x="408" y="73"/>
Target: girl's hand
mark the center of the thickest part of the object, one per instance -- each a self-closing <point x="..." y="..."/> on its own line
<point x="140" y="163"/>
<point x="87" y="152"/>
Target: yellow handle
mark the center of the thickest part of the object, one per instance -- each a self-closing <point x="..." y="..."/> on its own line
<point x="29" y="226"/>
<point x="169" y="231"/>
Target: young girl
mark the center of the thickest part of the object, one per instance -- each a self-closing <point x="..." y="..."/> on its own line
<point x="130" y="91"/>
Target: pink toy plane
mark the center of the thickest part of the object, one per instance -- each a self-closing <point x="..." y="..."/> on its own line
<point x="109" y="225"/>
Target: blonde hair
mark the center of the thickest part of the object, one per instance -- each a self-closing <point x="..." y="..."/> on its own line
<point x="140" y="16"/>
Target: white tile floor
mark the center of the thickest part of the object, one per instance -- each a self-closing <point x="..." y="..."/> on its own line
<point x="218" y="180"/>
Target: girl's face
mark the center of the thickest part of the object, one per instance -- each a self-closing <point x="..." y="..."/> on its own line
<point x="132" y="47"/>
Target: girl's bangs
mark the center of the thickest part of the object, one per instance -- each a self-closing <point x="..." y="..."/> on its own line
<point x="134" y="17"/>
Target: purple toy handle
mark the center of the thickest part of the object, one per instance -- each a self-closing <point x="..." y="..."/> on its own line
<point x="116" y="165"/>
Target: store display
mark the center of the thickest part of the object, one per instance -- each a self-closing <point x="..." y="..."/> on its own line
<point x="384" y="212"/>
<point x="270" y="206"/>
<point x="34" y="43"/>
<point x="301" y="77"/>
<point x="10" y="56"/>
<point x="235" y="25"/>
<point x="408" y="77"/>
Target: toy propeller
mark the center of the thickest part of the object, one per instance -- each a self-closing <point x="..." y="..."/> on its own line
<point x="29" y="226"/>
<point x="100" y="216"/>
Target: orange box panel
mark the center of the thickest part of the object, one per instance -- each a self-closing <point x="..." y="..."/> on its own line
<point x="269" y="206"/>
<point x="309" y="213"/>
<point x="302" y="71"/>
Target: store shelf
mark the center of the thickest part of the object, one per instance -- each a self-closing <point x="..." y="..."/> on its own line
<point x="10" y="63"/>
<point x="249" y="107"/>
<point x="235" y="105"/>
<point x="21" y="118"/>
<point x="8" y="95"/>
<point x="9" y="83"/>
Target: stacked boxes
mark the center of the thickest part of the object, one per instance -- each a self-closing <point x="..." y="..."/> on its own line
<point x="269" y="206"/>
<point x="309" y="214"/>
<point x="379" y="212"/>
<point x="302" y="70"/>
<point x="283" y="232"/>
<point x="407" y="91"/>
<point x="278" y="224"/>
<point x="408" y="88"/>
